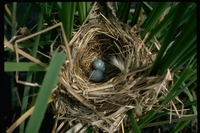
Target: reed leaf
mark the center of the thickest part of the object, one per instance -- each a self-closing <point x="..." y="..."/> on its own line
<point x="90" y="129"/>
<point x="7" y="20"/>
<point x="136" y="14"/>
<point x="184" y="59"/>
<point x="168" y="37"/>
<point x="25" y="16"/>
<point x="167" y="21"/>
<point x="29" y="73"/>
<point x="22" y="66"/>
<point x="181" y="125"/>
<point x="147" y="7"/>
<point x="153" y="17"/>
<point x="83" y="9"/>
<point x="134" y="126"/>
<point x="174" y="91"/>
<point x="14" y="10"/>
<point x="123" y="11"/>
<point x="191" y="98"/>
<point x="38" y="7"/>
<point x="67" y="17"/>
<point x="184" y="41"/>
<point x="45" y="92"/>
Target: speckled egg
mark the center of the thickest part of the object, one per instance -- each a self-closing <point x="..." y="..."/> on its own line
<point x="96" y="75"/>
<point x="98" y="64"/>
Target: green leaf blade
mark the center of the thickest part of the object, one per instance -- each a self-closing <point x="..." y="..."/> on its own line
<point x="22" y="67"/>
<point x="45" y="92"/>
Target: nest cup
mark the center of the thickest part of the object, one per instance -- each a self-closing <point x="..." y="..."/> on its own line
<point x="104" y="104"/>
<point x="102" y="45"/>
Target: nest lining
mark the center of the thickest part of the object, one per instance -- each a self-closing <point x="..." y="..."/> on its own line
<point x="105" y="104"/>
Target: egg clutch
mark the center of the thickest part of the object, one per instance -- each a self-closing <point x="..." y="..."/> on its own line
<point x="96" y="75"/>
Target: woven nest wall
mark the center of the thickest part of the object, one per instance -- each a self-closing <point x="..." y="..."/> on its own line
<point x="105" y="103"/>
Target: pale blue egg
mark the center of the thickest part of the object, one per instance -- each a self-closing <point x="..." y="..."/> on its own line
<point x="96" y="75"/>
<point x="98" y="64"/>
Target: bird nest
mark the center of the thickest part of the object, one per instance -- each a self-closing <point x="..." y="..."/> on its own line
<point x="125" y="83"/>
